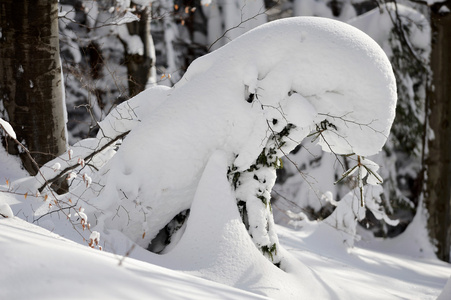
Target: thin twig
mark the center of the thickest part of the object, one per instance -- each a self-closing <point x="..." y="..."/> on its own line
<point x="87" y="158"/>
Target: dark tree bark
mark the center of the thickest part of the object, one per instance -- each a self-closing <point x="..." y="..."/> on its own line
<point x="31" y="87"/>
<point x="438" y="184"/>
<point x="141" y="68"/>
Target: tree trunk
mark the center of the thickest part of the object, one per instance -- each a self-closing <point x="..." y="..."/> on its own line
<point x="31" y="87"/>
<point x="141" y="68"/>
<point x="438" y="190"/>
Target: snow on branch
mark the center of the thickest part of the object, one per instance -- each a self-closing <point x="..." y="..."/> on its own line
<point x="63" y="173"/>
<point x="7" y="128"/>
<point x="255" y="99"/>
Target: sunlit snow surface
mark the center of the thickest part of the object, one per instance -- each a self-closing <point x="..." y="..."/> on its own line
<point x="182" y="140"/>
<point x="300" y="71"/>
<point x="38" y="264"/>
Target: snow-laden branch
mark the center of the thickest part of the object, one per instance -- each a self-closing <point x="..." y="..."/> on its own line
<point x="63" y="173"/>
<point x="291" y="75"/>
<point x="7" y="128"/>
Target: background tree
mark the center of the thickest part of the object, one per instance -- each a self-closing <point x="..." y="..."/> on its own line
<point x="403" y="33"/>
<point x="185" y="30"/>
<point x="31" y="86"/>
<point x="438" y="163"/>
<point x="141" y="65"/>
<point x="108" y="56"/>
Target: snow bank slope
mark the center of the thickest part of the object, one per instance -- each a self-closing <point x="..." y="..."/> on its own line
<point x="217" y="246"/>
<point x="446" y="293"/>
<point x="301" y="71"/>
<point x="37" y="264"/>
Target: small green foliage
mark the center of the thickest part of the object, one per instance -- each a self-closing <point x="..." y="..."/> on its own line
<point x="235" y="179"/>
<point x="267" y="161"/>
<point x="320" y="128"/>
<point x="271" y="251"/>
<point x="263" y="199"/>
<point x="285" y="132"/>
<point x="234" y="176"/>
<point x="262" y="159"/>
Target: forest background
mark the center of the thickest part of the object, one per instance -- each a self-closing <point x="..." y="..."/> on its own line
<point x="105" y="63"/>
<point x="110" y="51"/>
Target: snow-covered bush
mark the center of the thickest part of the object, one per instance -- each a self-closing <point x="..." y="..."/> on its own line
<point x="404" y="34"/>
<point x="254" y="100"/>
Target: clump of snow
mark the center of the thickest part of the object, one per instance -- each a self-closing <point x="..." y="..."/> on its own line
<point x="7" y="128"/>
<point x="87" y="179"/>
<point x="378" y="24"/>
<point x="286" y="66"/>
<point x="94" y="239"/>
<point x="71" y="176"/>
<point x="81" y="162"/>
<point x="341" y="226"/>
<point x="82" y="216"/>
<point x="56" y="166"/>
<point x="444" y="10"/>
<point x="70" y="152"/>
<point x="133" y="42"/>
<point x="6" y="211"/>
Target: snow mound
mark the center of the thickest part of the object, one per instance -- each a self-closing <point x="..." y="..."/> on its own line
<point x="5" y="210"/>
<point x="217" y="246"/>
<point x="57" y="268"/>
<point x="313" y="74"/>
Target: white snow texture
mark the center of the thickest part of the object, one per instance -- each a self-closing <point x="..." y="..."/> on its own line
<point x="301" y="71"/>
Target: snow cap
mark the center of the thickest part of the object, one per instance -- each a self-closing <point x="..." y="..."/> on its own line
<point x="343" y="74"/>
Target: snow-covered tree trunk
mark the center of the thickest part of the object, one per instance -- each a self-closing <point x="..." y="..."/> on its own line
<point x="438" y="193"/>
<point x="31" y="85"/>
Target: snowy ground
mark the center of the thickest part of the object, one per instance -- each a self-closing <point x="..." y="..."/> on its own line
<point x="38" y="264"/>
<point x="178" y="155"/>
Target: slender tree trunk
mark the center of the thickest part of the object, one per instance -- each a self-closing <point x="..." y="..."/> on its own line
<point x="141" y="68"/>
<point x="31" y="87"/>
<point x="438" y="194"/>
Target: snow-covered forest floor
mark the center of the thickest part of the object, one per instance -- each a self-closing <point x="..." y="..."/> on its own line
<point x="39" y="264"/>
<point x="206" y="151"/>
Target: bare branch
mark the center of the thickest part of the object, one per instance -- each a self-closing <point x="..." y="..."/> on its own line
<point x="238" y="25"/>
<point x="87" y="158"/>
